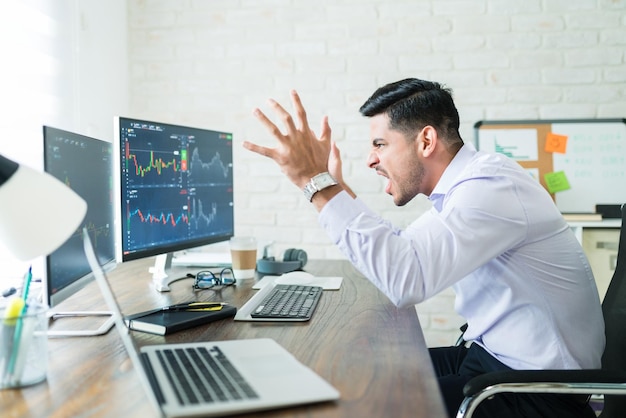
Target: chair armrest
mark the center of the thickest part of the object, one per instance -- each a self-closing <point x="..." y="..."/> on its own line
<point x="483" y="381"/>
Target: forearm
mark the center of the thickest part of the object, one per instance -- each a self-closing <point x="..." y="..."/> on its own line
<point x="347" y="188"/>
<point x="376" y="248"/>
<point x="321" y="198"/>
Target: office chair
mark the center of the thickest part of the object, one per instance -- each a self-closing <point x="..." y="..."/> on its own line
<point x="609" y="381"/>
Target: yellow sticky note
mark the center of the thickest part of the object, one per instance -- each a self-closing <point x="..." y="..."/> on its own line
<point x="556" y="181"/>
<point x="556" y="143"/>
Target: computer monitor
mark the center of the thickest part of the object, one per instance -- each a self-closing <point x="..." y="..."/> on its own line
<point x="174" y="192"/>
<point x="84" y="164"/>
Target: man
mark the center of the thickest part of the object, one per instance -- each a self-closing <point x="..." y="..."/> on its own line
<point x="521" y="279"/>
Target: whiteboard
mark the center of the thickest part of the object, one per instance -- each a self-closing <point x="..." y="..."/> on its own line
<point x="592" y="161"/>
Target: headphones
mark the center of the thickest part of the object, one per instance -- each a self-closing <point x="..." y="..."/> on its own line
<point x="294" y="259"/>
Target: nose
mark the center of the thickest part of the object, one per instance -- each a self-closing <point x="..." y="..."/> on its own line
<point x="372" y="160"/>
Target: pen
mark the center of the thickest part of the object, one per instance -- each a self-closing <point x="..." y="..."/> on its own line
<point x="195" y="306"/>
<point x="29" y="279"/>
<point x="17" y="336"/>
<point x="11" y="315"/>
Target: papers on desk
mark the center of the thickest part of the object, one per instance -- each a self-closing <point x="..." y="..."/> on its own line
<point x="301" y="278"/>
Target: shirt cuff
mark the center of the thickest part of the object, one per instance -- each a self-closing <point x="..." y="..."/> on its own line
<point x="339" y="212"/>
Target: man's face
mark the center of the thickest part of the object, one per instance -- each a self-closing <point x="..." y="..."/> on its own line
<point x="396" y="157"/>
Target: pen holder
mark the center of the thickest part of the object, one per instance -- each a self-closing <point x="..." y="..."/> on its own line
<point x="23" y="346"/>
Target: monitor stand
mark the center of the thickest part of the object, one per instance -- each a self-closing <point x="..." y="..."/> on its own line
<point x="163" y="274"/>
<point x="101" y="330"/>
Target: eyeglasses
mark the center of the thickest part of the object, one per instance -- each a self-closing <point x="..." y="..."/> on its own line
<point x="206" y="279"/>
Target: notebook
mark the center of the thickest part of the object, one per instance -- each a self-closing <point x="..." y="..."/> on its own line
<point x="264" y="374"/>
<point x="160" y="322"/>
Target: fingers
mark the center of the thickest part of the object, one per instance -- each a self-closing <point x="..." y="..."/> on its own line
<point x="325" y="132"/>
<point x="297" y="146"/>
<point x="284" y="116"/>
<point x="334" y="160"/>
<point x="268" y="123"/>
<point x="267" y="152"/>
<point x="300" y="112"/>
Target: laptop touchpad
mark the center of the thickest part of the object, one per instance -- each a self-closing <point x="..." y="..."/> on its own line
<point x="270" y="365"/>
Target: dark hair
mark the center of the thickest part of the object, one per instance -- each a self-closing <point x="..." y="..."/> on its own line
<point x="412" y="104"/>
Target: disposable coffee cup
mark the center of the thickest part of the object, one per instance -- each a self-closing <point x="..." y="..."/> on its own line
<point x="23" y="345"/>
<point x="243" y="254"/>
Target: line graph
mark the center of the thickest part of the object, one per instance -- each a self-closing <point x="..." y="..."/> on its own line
<point x="155" y="163"/>
<point x="150" y="225"/>
<point x="212" y="172"/>
<point x="150" y="167"/>
<point x="162" y="218"/>
<point x="155" y="216"/>
<point x="199" y="220"/>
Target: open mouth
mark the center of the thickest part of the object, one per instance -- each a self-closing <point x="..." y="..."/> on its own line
<point x="382" y="173"/>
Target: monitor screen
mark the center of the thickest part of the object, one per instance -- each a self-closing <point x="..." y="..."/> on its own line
<point x="175" y="189"/>
<point x="85" y="165"/>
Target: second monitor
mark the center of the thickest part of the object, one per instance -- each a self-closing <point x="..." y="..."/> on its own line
<point x="174" y="191"/>
<point x="85" y="165"/>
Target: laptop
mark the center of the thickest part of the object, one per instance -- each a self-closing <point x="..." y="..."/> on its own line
<point x="215" y="378"/>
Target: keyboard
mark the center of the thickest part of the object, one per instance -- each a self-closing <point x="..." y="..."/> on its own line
<point x="200" y="375"/>
<point x="290" y="302"/>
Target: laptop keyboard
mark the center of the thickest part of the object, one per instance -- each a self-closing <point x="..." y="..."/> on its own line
<point x="294" y="302"/>
<point x="200" y="375"/>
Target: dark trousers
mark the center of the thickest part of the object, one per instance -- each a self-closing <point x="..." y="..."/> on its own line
<point x="455" y="366"/>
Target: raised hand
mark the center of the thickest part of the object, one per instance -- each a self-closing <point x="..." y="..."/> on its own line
<point x="299" y="152"/>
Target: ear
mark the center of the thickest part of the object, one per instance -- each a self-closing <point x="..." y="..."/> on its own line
<point x="429" y="141"/>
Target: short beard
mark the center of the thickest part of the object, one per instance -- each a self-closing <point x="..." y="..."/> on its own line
<point x="406" y="194"/>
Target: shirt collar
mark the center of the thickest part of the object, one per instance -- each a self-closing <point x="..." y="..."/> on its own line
<point x="456" y="166"/>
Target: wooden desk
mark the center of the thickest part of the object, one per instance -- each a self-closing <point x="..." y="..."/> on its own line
<point x="372" y="352"/>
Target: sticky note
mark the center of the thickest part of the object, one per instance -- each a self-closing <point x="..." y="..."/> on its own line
<point x="556" y="143"/>
<point x="556" y="181"/>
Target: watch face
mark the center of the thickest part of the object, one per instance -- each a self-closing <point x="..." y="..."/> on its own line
<point x="317" y="183"/>
<point x="323" y="180"/>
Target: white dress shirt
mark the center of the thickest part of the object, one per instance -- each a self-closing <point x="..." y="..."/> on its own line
<point x="522" y="280"/>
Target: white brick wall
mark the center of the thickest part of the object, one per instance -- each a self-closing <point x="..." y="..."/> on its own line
<point x="208" y="63"/>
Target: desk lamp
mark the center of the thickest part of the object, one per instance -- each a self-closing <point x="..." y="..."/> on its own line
<point x="38" y="213"/>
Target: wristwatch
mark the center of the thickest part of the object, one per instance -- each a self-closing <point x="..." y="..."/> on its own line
<point x="318" y="183"/>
